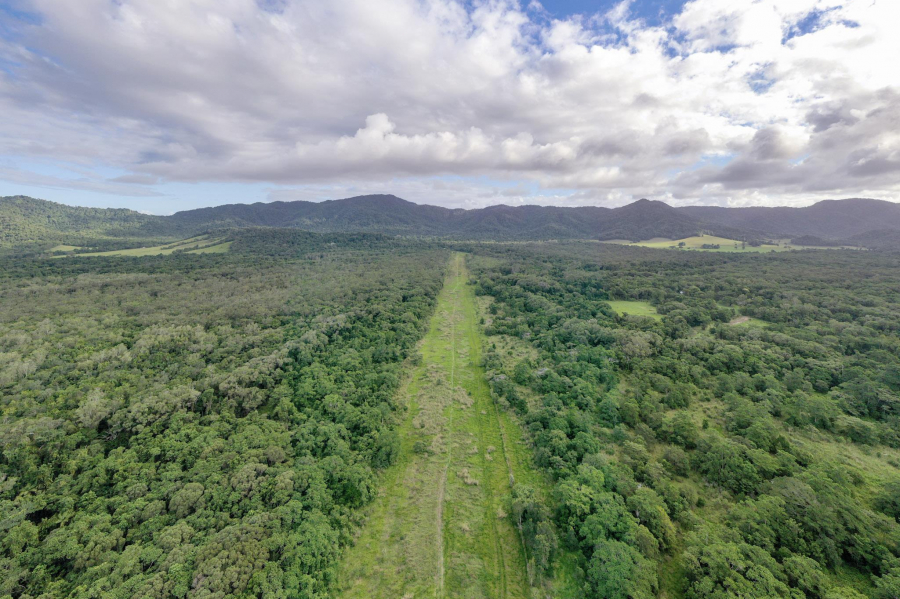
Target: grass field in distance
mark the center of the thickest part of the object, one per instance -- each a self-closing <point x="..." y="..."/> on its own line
<point x="725" y="245"/>
<point x="195" y="245"/>
<point x="748" y="321"/>
<point x="634" y="308"/>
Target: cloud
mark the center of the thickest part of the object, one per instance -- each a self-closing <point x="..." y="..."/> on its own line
<point x="774" y="101"/>
<point x="21" y="176"/>
<point x="135" y="179"/>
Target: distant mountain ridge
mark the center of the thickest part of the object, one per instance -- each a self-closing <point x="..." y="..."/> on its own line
<point x="26" y="220"/>
<point x="828" y="219"/>
<point x="394" y="216"/>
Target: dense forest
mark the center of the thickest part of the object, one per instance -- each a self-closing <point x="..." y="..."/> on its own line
<point x="200" y="426"/>
<point x="215" y="425"/>
<point x="696" y="455"/>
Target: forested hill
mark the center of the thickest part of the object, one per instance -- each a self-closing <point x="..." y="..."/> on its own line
<point x="389" y="214"/>
<point x="24" y="220"/>
<point x="830" y="219"/>
<point x="27" y="219"/>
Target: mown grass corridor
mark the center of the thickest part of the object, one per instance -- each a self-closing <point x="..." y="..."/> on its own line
<point x="439" y="528"/>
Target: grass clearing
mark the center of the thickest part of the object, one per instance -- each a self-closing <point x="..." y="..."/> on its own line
<point x="439" y="527"/>
<point x="219" y="248"/>
<point x="725" y="245"/>
<point x="195" y="245"/>
<point x="747" y="321"/>
<point x="634" y="309"/>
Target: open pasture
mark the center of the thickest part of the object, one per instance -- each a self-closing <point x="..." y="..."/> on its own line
<point x="202" y="244"/>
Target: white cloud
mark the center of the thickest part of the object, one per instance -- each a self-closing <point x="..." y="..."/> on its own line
<point x="83" y="183"/>
<point x="728" y="102"/>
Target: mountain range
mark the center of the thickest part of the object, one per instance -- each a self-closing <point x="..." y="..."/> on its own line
<point x="858" y="221"/>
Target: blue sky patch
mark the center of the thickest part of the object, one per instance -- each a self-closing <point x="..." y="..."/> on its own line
<point x="652" y="13"/>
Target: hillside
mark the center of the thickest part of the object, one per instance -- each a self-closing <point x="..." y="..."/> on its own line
<point x="391" y="215"/>
<point x="394" y="216"/>
<point x="32" y="220"/>
<point x="381" y="213"/>
<point x="27" y="220"/>
<point x="829" y="219"/>
<point x="647" y="219"/>
<point x="643" y="219"/>
<point x="881" y="239"/>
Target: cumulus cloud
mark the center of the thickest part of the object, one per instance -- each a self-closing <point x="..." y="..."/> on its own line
<point x="774" y="101"/>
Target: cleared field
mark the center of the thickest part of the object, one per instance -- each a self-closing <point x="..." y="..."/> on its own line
<point x="748" y="321"/>
<point x="634" y="309"/>
<point x="725" y="245"/>
<point x="219" y="248"/>
<point x="194" y="245"/>
<point x="439" y="527"/>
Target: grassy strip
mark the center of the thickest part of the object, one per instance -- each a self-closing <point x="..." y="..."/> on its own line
<point x="439" y="527"/>
<point x="194" y="245"/>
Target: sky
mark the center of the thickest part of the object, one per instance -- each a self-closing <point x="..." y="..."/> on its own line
<point x="166" y="105"/>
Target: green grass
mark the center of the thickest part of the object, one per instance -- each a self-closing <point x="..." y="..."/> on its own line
<point x="634" y="309"/>
<point x="440" y="527"/>
<point x="725" y="244"/>
<point x="195" y="245"/>
<point x="63" y="248"/>
<point x="564" y="583"/>
<point x="219" y="248"/>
